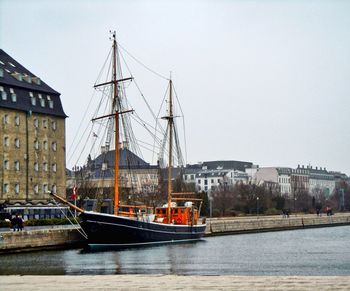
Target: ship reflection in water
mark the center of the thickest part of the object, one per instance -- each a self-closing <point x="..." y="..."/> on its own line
<point x="322" y="251"/>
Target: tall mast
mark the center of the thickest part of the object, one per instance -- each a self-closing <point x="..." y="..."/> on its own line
<point x="115" y="99"/>
<point x="170" y="124"/>
<point x="116" y="111"/>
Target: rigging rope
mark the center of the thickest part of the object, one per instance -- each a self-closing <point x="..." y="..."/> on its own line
<point x="142" y="64"/>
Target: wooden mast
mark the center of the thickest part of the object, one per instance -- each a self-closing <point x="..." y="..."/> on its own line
<point x="115" y="99"/>
<point x="170" y="124"/>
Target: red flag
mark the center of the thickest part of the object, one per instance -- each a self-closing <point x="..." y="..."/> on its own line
<point x="74" y="191"/>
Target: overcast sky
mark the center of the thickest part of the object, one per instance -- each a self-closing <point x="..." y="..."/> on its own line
<point x="259" y="81"/>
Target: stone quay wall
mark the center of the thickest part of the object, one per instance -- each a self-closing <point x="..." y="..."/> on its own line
<point x="38" y="239"/>
<point x="220" y="226"/>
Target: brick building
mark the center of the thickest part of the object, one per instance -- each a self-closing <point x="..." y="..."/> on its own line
<point x="32" y="136"/>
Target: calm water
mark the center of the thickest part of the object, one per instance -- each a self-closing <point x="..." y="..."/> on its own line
<point x="322" y="251"/>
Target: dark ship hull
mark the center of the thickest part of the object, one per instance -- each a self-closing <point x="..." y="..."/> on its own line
<point x="107" y="229"/>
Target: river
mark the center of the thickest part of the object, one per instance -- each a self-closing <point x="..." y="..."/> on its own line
<point x="320" y="251"/>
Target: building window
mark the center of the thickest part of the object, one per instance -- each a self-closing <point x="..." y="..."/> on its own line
<point x="6" y="165"/>
<point x="54" y="167"/>
<point x="1" y="72"/>
<point x="33" y="99"/>
<point x="51" y="104"/>
<point x="16" y="188"/>
<point x="212" y="181"/>
<point x="54" y="189"/>
<point x="6" y="188"/>
<point x="45" y="188"/>
<point x="45" y="144"/>
<point x="54" y="125"/>
<point x="17" y="144"/>
<point x="54" y="146"/>
<point x="14" y="97"/>
<point x="6" y="119"/>
<point x="199" y="181"/>
<point x="206" y="182"/>
<point x="36" y="123"/>
<point x="36" y="189"/>
<point x="45" y="168"/>
<point x="36" y="166"/>
<point x="17" y="120"/>
<point x="42" y="102"/>
<point x="4" y="95"/>
<point x="17" y="165"/>
<point x="6" y="141"/>
<point x="36" y="144"/>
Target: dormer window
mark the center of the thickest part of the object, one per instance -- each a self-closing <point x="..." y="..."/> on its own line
<point x="12" y="65"/>
<point x="1" y="72"/>
<point x="27" y="78"/>
<point x="31" y="94"/>
<point x="14" y="97"/>
<point x="51" y="104"/>
<point x="42" y="102"/>
<point x="17" y="76"/>
<point x="33" y="100"/>
<point x="36" y="80"/>
<point x="4" y="95"/>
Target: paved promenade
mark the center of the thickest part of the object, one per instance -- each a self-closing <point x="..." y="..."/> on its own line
<point x="173" y="282"/>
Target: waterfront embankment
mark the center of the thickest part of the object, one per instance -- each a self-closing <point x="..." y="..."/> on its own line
<point x="69" y="236"/>
<point x="174" y="282"/>
<point x="37" y="239"/>
<point x="236" y="225"/>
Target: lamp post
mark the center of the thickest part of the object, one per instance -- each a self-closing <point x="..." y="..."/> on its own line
<point x="257" y="207"/>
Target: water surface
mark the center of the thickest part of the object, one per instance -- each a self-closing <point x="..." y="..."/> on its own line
<point x="321" y="251"/>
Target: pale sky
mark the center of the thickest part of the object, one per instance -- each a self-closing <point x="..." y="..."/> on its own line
<point x="259" y="81"/>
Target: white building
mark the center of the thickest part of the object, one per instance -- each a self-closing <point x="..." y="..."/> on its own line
<point x="279" y="175"/>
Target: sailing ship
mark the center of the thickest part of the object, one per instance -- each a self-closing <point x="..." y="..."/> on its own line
<point x="130" y="225"/>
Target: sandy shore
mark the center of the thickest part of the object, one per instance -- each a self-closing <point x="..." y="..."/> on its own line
<point x="173" y="282"/>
